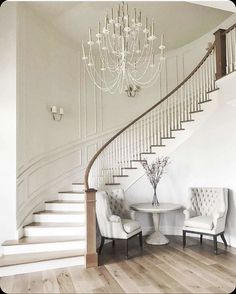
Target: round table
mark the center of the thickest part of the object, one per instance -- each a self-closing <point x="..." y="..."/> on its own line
<point x="156" y="238"/>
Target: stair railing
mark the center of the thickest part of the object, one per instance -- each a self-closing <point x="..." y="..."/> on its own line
<point x="131" y="143"/>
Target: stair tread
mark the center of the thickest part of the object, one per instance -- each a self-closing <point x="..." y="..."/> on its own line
<point x="64" y="201"/>
<point x="53" y="225"/>
<point x="55" y="212"/>
<point x="40" y="240"/>
<point x="71" y="192"/>
<point x="17" y="259"/>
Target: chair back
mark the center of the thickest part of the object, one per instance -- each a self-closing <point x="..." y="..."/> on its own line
<point x="118" y="204"/>
<point x="103" y="212"/>
<point x="206" y="201"/>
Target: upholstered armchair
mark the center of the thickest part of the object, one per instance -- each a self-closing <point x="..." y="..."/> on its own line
<point x="115" y="220"/>
<point x="206" y="213"/>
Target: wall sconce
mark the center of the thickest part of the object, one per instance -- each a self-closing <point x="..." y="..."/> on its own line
<point x="57" y="114"/>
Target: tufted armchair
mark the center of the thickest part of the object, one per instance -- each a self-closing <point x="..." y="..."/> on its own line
<point x="115" y="220"/>
<point x="206" y="213"/>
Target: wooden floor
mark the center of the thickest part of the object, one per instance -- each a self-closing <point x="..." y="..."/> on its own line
<point x="160" y="269"/>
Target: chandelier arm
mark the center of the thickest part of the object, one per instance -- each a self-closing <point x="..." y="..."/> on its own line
<point x="104" y="59"/>
<point x="153" y="76"/>
<point x="150" y="52"/>
<point x="104" y="62"/>
<point x="152" y="81"/>
<point x="145" y="70"/>
<point x="108" y="53"/>
<point x="101" y="79"/>
<point x="136" y="35"/>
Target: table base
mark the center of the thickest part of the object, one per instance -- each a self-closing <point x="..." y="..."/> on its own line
<point x="157" y="238"/>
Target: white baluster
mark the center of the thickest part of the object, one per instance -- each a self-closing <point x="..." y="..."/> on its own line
<point x="234" y="46"/>
<point x="227" y="54"/>
<point x="231" y="51"/>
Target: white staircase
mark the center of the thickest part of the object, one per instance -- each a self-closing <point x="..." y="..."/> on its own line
<point x="56" y="237"/>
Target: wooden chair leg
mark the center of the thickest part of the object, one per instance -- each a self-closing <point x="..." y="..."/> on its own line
<point x="141" y="239"/>
<point x="215" y="244"/>
<point x="184" y="239"/>
<point x="127" y="249"/>
<point x="201" y="238"/>
<point x="101" y="245"/>
<point x="113" y="243"/>
<point x="223" y="239"/>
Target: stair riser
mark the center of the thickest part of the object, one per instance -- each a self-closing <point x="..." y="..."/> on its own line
<point x="42" y="266"/>
<point x="52" y="231"/>
<point x="44" y="247"/>
<point x="71" y="197"/>
<point x="51" y="218"/>
<point x="78" y="188"/>
<point x="65" y="207"/>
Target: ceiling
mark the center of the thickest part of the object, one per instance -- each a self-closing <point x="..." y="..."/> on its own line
<point x="181" y="22"/>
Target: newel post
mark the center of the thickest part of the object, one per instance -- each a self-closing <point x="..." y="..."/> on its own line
<point x="220" y="43"/>
<point x="91" y="255"/>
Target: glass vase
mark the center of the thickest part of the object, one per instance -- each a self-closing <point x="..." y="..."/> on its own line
<point x="154" y="199"/>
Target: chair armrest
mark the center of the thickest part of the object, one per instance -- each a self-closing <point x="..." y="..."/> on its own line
<point x="217" y="216"/>
<point x="115" y="219"/>
<point x="132" y="214"/>
<point x="189" y="213"/>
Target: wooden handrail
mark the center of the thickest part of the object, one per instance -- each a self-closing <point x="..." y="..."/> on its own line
<point x="230" y="29"/>
<point x="91" y="162"/>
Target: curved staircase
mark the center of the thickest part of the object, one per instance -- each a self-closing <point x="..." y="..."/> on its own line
<point x="117" y="162"/>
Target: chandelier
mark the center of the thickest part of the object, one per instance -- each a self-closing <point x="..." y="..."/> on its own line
<point x="122" y="52"/>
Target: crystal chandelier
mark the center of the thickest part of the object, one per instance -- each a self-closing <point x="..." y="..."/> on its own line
<point x="123" y="53"/>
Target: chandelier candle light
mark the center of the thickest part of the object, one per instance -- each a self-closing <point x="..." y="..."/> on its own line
<point x="122" y="52"/>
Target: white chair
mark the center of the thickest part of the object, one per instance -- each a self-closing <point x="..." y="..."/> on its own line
<point x="206" y="213"/>
<point x="115" y="220"/>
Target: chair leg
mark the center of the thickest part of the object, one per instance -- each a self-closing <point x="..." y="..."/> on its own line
<point x="141" y="240"/>
<point x="127" y="249"/>
<point x="201" y="238"/>
<point x="113" y="243"/>
<point x="184" y="239"/>
<point x="101" y="245"/>
<point x="215" y="244"/>
<point x="223" y="239"/>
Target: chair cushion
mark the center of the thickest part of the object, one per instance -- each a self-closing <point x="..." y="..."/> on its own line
<point x="130" y="225"/>
<point x="201" y="222"/>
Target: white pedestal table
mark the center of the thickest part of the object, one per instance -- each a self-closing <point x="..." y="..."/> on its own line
<point x="156" y="238"/>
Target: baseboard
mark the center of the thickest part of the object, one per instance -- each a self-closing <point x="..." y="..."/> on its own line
<point x="177" y="231"/>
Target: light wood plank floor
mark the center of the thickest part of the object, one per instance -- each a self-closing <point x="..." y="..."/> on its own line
<point x="160" y="269"/>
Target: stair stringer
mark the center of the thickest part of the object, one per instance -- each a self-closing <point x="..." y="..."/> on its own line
<point x="170" y="144"/>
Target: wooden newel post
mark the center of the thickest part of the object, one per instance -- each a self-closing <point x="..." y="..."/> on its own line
<point x="91" y="255"/>
<point x="220" y="41"/>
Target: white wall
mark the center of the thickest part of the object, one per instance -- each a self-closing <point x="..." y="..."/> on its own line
<point x="48" y="74"/>
<point x="8" y="120"/>
<point x="206" y="159"/>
